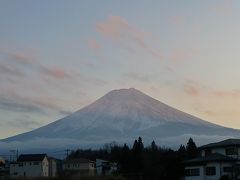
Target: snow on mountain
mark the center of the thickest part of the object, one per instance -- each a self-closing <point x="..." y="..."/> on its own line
<point x="121" y="116"/>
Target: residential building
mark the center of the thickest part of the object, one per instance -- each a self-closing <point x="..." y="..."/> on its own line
<point x="30" y="165"/>
<point x="4" y="168"/>
<point x="52" y="167"/>
<point x="79" y="167"/>
<point x="104" y="167"/>
<point x="215" y="161"/>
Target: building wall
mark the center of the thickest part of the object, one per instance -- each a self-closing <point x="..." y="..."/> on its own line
<point x="219" y="171"/>
<point x="222" y="151"/>
<point x="219" y="150"/>
<point x="78" y="166"/>
<point x="201" y="173"/>
<point x="80" y="169"/>
<point x="45" y="167"/>
<point x="29" y="169"/>
<point x="52" y="168"/>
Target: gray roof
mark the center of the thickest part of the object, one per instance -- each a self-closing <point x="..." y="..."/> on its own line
<point x="215" y="157"/>
<point x="225" y="143"/>
<point x="31" y="157"/>
<point x="79" y="160"/>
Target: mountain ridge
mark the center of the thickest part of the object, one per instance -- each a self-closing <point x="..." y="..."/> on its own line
<point x="124" y="114"/>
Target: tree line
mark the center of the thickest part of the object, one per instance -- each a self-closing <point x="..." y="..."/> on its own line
<point x="143" y="163"/>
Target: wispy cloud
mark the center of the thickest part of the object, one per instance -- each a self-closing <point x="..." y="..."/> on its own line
<point x="179" y="55"/>
<point x="94" y="45"/>
<point x="18" y="106"/>
<point x="128" y="36"/>
<point x="136" y="76"/>
<point x="192" y="88"/>
<point x="223" y="93"/>
<point x="30" y="61"/>
<point x="24" y="57"/>
<point x="224" y="7"/>
<point x="92" y="80"/>
<point x="12" y="100"/>
<point x="114" y="27"/>
<point x="177" y="21"/>
<point x="8" y="70"/>
<point x="25" y="123"/>
<point x="56" y="73"/>
<point x="210" y="113"/>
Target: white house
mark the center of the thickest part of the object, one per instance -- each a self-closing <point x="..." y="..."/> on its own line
<point x="4" y="168"/>
<point x="104" y="167"/>
<point x="52" y="167"/>
<point x="216" y="160"/>
<point x="30" y="165"/>
<point x="79" y="167"/>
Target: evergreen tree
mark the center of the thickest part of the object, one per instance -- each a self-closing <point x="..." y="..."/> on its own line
<point x="182" y="149"/>
<point x="135" y="146"/>
<point x="140" y="144"/>
<point x="191" y="148"/>
<point x="154" y="146"/>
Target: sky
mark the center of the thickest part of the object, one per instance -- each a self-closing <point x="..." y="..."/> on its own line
<point x="59" y="56"/>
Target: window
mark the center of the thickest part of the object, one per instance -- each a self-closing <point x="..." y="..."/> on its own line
<point x="231" y="151"/>
<point x="20" y="164"/>
<point x="192" y="172"/>
<point x="208" y="152"/>
<point x="36" y="163"/>
<point x="210" y="171"/>
<point x="228" y="169"/>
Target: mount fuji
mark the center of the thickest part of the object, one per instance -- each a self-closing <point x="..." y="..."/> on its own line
<point x="121" y="116"/>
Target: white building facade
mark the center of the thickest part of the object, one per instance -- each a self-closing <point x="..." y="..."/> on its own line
<point x="104" y="167"/>
<point x="217" y="160"/>
<point x="30" y="165"/>
<point x="79" y="167"/>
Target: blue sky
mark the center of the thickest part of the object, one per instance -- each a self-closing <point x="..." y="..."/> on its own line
<point x="58" y="56"/>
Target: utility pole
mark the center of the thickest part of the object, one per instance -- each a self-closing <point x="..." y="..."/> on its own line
<point x="15" y="153"/>
<point x="67" y="152"/>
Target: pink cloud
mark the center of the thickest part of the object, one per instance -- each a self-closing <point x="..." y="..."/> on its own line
<point x="224" y="7"/>
<point x="94" y="45"/>
<point x="25" y="57"/>
<point x="114" y="27"/>
<point x="29" y="58"/>
<point x="177" y="21"/>
<point x="7" y="70"/>
<point x="210" y="113"/>
<point x="56" y="73"/>
<point x="222" y="93"/>
<point x="127" y="35"/>
<point x="183" y="54"/>
<point x="193" y="88"/>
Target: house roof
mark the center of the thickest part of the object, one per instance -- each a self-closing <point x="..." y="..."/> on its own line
<point x="79" y="160"/>
<point x="215" y="157"/>
<point x="31" y="157"/>
<point x="225" y="143"/>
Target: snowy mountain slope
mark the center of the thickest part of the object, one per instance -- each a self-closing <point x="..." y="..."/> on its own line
<point x="123" y="115"/>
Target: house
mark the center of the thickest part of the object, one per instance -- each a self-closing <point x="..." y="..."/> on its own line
<point x="4" y="168"/>
<point x="104" y="167"/>
<point x="215" y="161"/>
<point x="30" y="165"/>
<point x="2" y="161"/>
<point x="79" y="167"/>
<point x="52" y="167"/>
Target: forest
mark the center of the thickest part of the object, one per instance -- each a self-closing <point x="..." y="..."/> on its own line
<point x="143" y="163"/>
